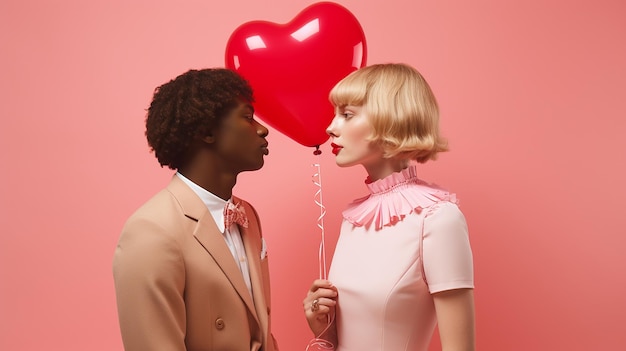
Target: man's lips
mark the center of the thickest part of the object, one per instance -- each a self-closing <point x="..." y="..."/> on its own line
<point x="265" y="150"/>
<point x="336" y="148"/>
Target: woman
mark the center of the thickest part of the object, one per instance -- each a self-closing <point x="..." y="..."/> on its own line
<point x="403" y="261"/>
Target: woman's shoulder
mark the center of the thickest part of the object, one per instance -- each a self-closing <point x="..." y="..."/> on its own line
<point x="445" y="216"/>
<point x="445" y="209"/>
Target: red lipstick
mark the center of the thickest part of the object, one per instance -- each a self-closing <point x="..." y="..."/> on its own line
<point x="336" y="148"/>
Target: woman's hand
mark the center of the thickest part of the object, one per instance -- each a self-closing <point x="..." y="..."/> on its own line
<point x="319" y="308"/>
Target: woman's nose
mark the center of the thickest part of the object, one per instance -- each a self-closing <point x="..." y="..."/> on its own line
<point x="332" y="127"/>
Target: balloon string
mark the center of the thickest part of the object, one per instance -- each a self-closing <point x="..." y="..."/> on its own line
<point x="318" y="343"/>
<point x="318" y="198"/>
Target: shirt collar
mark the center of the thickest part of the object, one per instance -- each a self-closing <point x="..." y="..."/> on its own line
<point x="214" y="203"/>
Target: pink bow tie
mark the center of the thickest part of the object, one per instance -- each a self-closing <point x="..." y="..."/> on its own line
<point x="235" y="213"/>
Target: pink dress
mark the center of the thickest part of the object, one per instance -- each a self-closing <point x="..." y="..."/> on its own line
<point x="397" y="246"/>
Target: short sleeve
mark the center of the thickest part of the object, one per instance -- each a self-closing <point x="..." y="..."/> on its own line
<point x="447" y="255"/>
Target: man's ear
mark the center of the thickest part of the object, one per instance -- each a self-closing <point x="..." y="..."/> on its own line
<point x="209" y="138"/>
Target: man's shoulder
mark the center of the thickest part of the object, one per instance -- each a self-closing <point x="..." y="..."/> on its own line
<point x="159" y="207"/>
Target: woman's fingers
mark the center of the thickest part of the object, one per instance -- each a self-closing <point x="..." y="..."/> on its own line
<point x="318" y="304"/>
<point x="320" y="283"/>
<point x="321" y="305"/>
<point x="320" y="289"/>
<point x="320" y="297"/>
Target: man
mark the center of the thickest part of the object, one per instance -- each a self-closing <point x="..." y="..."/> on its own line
<point x="185" y="279"/>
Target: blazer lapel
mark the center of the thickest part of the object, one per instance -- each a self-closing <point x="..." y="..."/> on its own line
<point x="211" y="238"/>
<point x="251" y="236"/>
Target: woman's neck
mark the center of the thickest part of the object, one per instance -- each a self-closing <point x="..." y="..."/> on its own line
<point x="385" y="167"/>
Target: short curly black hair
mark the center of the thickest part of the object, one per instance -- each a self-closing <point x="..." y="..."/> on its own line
<point x="188" y="107"/>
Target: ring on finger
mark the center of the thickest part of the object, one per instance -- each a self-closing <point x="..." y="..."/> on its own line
<point x="315" y="305"/>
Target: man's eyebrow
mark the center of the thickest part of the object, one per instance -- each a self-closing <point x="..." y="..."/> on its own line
<point x="249" y="107"/>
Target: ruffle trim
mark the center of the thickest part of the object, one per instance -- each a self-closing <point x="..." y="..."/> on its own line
<point x="394" y="197"/>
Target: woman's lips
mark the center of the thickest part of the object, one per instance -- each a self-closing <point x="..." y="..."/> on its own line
<point x="336" y="148"/>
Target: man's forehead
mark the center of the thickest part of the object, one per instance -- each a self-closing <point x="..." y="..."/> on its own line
<point x="243" y="104"/>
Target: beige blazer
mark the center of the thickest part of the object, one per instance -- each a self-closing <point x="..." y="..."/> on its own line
<point x="178" y="286"/>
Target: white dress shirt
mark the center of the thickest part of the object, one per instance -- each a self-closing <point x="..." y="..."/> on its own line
<point x="232" y="236"/>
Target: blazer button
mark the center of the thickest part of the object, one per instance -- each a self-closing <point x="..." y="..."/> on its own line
<point x="219" y="324"/>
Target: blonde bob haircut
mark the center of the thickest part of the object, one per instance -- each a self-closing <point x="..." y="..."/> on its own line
<point x="400" y="106"/>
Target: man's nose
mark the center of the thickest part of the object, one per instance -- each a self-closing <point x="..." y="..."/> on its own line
<point x="261" y="130"/>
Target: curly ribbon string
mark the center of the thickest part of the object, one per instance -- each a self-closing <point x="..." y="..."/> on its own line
<point x="317" y="343"/>
<point x="317" y="180"/>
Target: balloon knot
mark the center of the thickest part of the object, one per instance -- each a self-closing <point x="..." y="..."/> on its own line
<point x="317" y="150"/>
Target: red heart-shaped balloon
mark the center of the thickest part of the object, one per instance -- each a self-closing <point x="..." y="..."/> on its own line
<point x="292" y="67"/>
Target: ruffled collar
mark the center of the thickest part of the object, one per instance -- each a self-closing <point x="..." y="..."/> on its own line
<point x="394" y="197"/>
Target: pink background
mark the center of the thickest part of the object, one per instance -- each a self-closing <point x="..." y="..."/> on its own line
<point x="532" y="97"/>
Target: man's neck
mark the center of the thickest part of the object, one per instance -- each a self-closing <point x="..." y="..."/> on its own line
<point x="219" y="184"/>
